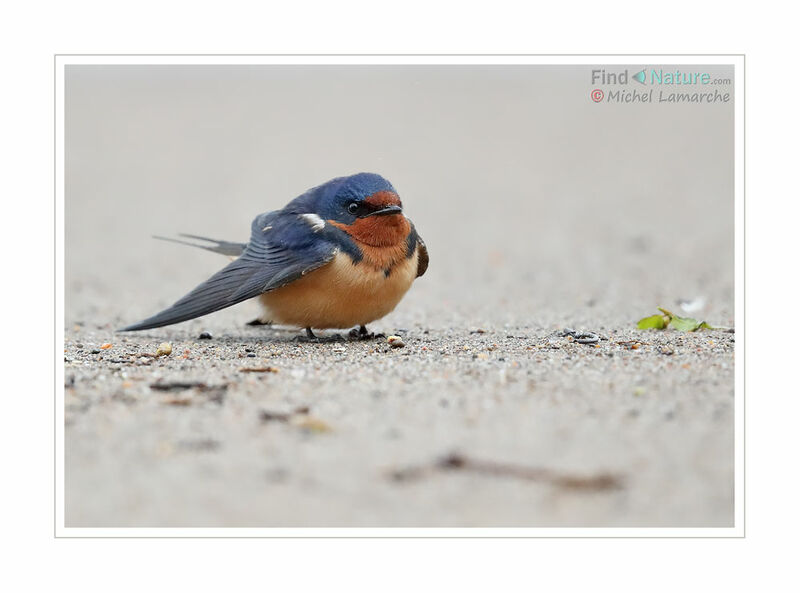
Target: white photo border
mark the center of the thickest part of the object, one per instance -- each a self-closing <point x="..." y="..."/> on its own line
<point x="735" y="60"/>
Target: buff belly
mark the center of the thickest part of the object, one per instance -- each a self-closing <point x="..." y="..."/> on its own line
<point x="340" y="294"/>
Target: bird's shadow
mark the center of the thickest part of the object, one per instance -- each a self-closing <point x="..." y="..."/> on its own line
<point x="269" y="333"/>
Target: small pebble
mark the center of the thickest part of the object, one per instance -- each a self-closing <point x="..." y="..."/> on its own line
<point x="395" y="341"/>
<point x="164" y="349"/>
<point x="205" y="336"/>
<point x="586" y="338"/>
<point x="105" y="346"/>
<point x="581" y="337"/>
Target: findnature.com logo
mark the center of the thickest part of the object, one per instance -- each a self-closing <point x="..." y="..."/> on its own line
<point x="657" y="77"/>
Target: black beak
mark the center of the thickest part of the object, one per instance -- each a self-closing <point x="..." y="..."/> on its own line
<point x="385" y="211"/>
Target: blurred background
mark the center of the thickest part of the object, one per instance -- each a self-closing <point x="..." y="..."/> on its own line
<point x="526" y="191"/>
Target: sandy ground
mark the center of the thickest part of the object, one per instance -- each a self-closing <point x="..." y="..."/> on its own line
<point x="541" y="210"/>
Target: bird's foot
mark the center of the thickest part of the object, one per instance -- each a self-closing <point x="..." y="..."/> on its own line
<point x="311" y="338"/>
<point x="361" y="333"/>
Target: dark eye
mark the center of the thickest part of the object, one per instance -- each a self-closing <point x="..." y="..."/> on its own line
<point x="352" y="207"/>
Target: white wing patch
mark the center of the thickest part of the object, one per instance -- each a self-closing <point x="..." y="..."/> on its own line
<point x="314" y="221"/>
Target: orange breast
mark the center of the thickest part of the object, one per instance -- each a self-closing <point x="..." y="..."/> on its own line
<point x="340" y="294"/>
<point x="382" y="239"/>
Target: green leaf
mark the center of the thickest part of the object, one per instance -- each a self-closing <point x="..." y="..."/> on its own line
<point x="669" y="314"/>
<point x="685" y="324"/>
<point x="652" y="322"/>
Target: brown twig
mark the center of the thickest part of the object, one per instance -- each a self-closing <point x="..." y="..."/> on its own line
<point x="457" y="462"/>
<point x="182" y="386"/>
<point x="268" y="416"/>
<point x="259" y="370"/>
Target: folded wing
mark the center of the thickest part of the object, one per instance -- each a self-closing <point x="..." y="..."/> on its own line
<point x="281" y="249"/>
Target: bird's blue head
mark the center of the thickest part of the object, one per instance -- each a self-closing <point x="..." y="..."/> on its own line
<point x="349" y="199"/>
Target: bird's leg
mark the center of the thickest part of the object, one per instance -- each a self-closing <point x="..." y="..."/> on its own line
<point x="362" y="333"/>
<point x="311" y="337"/>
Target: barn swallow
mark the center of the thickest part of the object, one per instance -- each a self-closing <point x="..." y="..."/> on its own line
<point x="340" y="255"/>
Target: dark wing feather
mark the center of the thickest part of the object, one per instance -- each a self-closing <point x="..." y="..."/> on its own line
<point x="229" y="248"/>
<point x="414" y="243"/>
<point x="281" y="249"/>
<point x="422" y="262"/>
